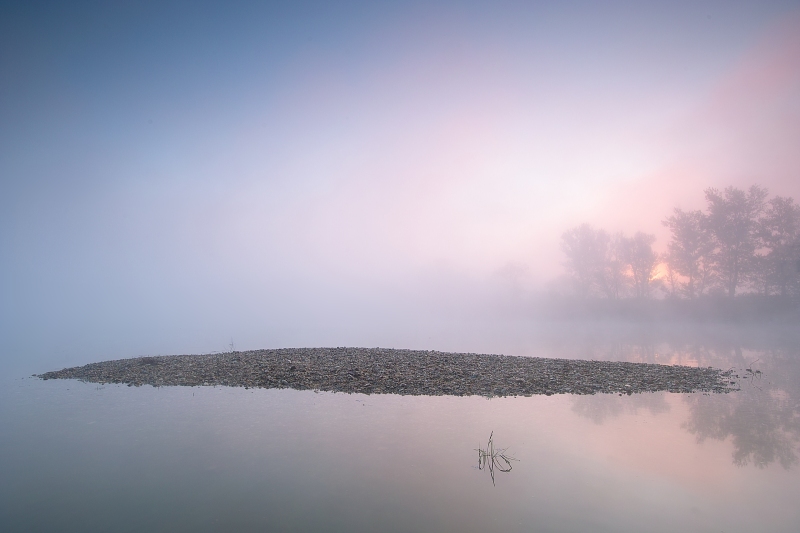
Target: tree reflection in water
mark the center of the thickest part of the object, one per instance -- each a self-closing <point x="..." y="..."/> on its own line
<point x="762" y="419"/>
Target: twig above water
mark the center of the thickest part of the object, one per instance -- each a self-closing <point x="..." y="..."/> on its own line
<point x="493" y="458"/>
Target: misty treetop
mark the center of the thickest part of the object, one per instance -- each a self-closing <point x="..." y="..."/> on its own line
<point x="612" y="266"/>
<point x="743" y="242"/>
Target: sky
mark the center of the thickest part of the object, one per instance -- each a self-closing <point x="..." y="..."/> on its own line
<point x="179" y="176"/>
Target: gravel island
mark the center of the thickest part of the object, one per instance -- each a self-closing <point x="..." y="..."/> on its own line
<point x="391" y="371"/>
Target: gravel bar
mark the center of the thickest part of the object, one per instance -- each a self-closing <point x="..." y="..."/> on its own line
<point x="390" y="371"/>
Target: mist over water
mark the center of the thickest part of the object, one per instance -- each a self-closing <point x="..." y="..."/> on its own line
<point x="509" y="178"/>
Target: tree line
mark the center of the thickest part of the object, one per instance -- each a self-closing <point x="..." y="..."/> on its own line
<point x="742" y="242"/>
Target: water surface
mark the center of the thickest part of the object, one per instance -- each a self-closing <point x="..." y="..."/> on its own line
<point x="82" y="457"/>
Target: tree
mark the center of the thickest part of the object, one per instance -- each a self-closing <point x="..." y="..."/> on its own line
<point x="585" y="249"/>
<point x="670" y="277"/>
<point x="612" y="276"/>
<point x="759" y="274"/>
<point x="689" y="251"/>
<point x="779" y="231"/>
<point x="642" y="260"/>
<point x="733" y="223"/>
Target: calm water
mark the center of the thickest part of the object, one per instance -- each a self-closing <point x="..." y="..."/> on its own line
<point x="78" y="457"/>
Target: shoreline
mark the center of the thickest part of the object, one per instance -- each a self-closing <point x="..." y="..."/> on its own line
<point x="405" y="372"/>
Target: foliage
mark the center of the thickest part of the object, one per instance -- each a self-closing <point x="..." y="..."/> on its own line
<point x="733" y="220"/>
<point x="779" y="230"/>
<point x="689" y="251"/>
<point x="642" y="262"/>
<point x="743" y="242"/>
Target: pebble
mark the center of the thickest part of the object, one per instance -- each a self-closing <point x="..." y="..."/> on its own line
<point x="407" y="372"/>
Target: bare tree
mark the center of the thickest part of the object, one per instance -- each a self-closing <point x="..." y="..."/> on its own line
<point x="733" y="222"/>
<point x="642" y="261"/>
<point x="689" y="251"/>
<point x="779" y="230"/>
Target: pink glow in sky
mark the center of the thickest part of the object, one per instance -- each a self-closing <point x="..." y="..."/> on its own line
<point x="492" y="161"/>
<point x="276" y="167"/>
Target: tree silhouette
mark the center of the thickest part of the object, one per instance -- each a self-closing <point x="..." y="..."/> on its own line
<point x="642" y="261"/>
<point x="612" y="272"/>
<point x="779" y="231"/>
<point x="585" y="249"/>
<point x="733" y="222"/>
<point x="689" y="251"/>
<point x="742" y="241"/>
